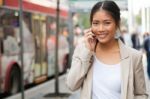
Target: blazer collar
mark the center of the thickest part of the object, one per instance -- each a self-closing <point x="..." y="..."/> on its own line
<point x="125" y="68"/>
<point x="123" y="50"/>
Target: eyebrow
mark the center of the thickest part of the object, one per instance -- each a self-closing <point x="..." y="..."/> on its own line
<point x="103" y="20"/>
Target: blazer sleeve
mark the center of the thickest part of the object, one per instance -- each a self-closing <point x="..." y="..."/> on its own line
<point x="81" y="62"/>
<point x="140" y="90"/>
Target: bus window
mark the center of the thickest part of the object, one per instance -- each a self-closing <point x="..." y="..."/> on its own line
<point x="10" y="42"/>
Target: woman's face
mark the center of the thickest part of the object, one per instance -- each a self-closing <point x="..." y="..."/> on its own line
<point x="103" y="26"/>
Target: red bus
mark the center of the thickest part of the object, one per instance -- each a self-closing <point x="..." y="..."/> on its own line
<point x="39" y="37"/>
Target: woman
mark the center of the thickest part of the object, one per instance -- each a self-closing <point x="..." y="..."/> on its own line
<point x="102" y="66"/>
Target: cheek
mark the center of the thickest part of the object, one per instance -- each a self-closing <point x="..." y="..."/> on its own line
<point x="112" y="29"/>
<point x="94" y="29"/>
<point x="112" y="33"/>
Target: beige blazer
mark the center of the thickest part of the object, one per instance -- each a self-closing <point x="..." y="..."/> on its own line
<point x="133" y="81"/>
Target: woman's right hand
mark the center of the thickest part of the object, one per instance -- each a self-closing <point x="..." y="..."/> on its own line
<point x="89" y="39"/>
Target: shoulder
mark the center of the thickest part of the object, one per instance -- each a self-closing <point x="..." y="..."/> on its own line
<point x="82" y="51"/>
<point x="135" y="57"/>
<point x="128" y="51"/>
<point x="135" y="54"/>
<point x="80" y="46"/>
<point x="133" y="51"/>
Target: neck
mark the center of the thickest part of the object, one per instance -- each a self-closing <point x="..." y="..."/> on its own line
<point x="110" y="46"/>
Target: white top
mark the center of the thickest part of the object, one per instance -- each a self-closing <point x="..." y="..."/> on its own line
<point x="106" y="80"/>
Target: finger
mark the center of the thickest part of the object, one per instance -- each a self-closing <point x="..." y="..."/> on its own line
<point x="89" y="33"/>
<point x="90" y="37"/>
<point x="87" y="30"/>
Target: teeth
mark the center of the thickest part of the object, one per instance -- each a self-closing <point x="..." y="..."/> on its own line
<point x="102" y="35"/>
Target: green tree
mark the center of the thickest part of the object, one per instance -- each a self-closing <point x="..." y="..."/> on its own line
<point x="84" y="20"/>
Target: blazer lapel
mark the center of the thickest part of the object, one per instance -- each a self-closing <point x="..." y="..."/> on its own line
<point x="125" y="64"/>
<point x="90" y="82"/>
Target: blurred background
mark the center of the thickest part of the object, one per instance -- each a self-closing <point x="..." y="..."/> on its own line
<point x="37" y="39"/>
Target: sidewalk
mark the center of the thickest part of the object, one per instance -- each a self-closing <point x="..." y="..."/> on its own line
<point x="40" y="91"/>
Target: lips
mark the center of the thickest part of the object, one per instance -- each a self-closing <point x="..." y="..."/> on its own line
<point x="102" y="35"/>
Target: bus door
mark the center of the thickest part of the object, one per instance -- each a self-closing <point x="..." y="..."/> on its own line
<point x="39" y="30"/>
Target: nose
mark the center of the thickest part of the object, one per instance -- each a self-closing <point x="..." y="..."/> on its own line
<point x="100" y="28"/>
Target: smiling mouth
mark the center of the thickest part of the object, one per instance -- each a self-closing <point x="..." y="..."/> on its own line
<point x="102" y="35"/>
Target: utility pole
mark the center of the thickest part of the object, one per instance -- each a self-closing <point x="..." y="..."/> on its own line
<point x="56" y="52"/>
<point x="22" y="49"/>
<point x="71" y="34"/>
<point x="57" y="93"/>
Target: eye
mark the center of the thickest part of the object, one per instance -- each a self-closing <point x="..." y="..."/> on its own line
<point x="107" y="23"/>
<point x="95" y="23"/>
